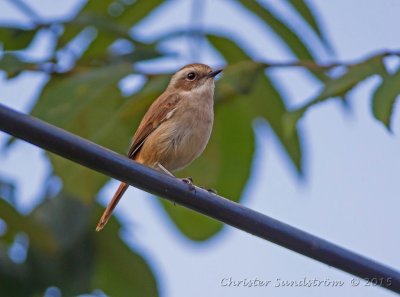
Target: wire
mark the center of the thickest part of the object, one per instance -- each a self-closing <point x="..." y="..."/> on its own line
<point x="120" y="167"/>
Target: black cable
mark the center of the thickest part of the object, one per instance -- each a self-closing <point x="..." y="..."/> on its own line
<point x="119" y="167"/>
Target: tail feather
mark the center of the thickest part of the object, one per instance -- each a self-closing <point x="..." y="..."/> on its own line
<point x="108" y="212"/>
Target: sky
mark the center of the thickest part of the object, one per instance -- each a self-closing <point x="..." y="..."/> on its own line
<point x="349" y="195"/>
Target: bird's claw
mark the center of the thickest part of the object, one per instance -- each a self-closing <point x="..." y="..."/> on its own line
<point x="189" y="182"/>
<point x="212" y="191"/>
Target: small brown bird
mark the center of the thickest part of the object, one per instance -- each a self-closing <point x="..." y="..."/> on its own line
<point x="176" y="128"/>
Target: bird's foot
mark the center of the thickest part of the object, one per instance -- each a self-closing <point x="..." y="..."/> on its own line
<point x="212" y="191"/>
<point x="189" y="182"/>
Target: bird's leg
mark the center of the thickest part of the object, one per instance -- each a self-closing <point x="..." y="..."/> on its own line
<point x="187" y="180"/>
<point x="165" y="170"/>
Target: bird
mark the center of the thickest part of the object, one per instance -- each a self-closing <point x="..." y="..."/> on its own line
<point x="175" y="129"/>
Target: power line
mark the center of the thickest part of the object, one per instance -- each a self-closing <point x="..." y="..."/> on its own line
<point x="119" y="167"/>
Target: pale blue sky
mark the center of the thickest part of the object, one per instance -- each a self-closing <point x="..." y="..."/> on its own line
<point x="350" y="194"/>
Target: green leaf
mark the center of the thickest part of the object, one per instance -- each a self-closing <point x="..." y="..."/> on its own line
<point x="384" y="98"/>
<point x="353" y="76"/>
<point x="12" y="65"/>
<point x="64" y="266"/>
<point x="230" y="50"/>
<point x="137" y="11"/>
<point x="83" y="259"/>
<point x="90" y="9"/>
<point x="109" y="28"/>
<point x="67" y="98"/>
<point x="293" y="42"/>
<point x="97" y="49"/>
<point x="337" y="87"/>
<point x="306" y="13"/>
<point x="118" y="269"/>
<point x="81" y="103"/>
<point x="14" y="39"/>
<point x="70" y="267"/>
<point x="270" y="105"/>
<point x="40" y="236"/>
<point x="296" y="45"/>
<point x="103" y="24"/>
<point x="96" y="7"/>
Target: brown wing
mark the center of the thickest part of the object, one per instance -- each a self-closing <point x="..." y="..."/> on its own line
<point x="154" y="117"/>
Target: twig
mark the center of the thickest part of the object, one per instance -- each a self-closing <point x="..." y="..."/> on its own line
<point x="323" y="67"/>
<point x="301" y="63"/>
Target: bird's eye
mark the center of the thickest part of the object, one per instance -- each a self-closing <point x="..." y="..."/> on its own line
<point x="191" y="76"/>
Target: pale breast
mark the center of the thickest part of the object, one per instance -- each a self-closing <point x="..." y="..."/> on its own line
<point x="183" y="136"/>
<point x="191" y="137"/>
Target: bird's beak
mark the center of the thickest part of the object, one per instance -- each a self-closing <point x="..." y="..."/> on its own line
<point x="213" y="74"/>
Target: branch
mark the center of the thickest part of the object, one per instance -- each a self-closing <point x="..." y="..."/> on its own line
<point x="122" y="168"/>
<point x="322" y="67"/>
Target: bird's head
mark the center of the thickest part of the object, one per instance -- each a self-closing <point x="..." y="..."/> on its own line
<point x="193" y="76"/>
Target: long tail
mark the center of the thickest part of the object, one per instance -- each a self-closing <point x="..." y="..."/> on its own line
<point x="108" y="212"/>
